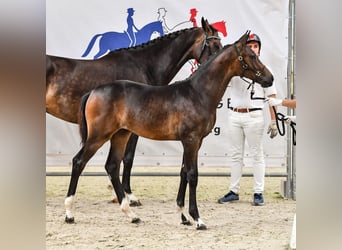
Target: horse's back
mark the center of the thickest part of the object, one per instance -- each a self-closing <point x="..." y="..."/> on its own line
<point x="137" y="96"/>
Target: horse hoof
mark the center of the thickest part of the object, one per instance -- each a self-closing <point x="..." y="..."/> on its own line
<point x="135" y="203"/>
<point x="186" y="222"/>
<point x="136" y="220"/>
<point x="201" y="227"/>
<point x="69" y="220"/>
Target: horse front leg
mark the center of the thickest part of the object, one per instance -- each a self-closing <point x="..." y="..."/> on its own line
<point x="190" y="161"/>
<point x="118" y="144"/>
<point x="181" y="195"/>
<point x="128" y="164"/>
<point x="193" y="209"/>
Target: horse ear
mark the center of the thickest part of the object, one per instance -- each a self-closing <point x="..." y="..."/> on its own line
<point x="205" y="26"/>
<point x="244" y="37"/>
<point x="203" y="22"/>
<point x="207" y="23"/>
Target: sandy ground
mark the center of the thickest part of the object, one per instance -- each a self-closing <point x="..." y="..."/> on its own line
<point x="101" y="225"/>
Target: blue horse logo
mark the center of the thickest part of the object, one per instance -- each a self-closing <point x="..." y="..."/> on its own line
<point x="110" y="41"/>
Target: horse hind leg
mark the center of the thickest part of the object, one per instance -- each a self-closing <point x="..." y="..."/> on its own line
<point x="117" y="148"/>
<point x="128" y="163"/>
<point x="78" y="164"/>
<point x="127" y="169"/>
<point x="77" y="169"/>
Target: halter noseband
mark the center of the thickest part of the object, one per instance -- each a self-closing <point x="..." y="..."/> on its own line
<point x="206" y="43"/>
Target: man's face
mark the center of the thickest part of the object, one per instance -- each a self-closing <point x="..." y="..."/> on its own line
<point x="254" y="46"/>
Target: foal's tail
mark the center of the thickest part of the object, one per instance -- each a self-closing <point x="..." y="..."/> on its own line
<point x="83" y="120"/>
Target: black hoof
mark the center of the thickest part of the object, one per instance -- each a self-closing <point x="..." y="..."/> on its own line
<point x="185" y="221"/>
<point x="135" y="203"/>
<point x="201" y="227"/>
<point x="136" y="220"/>
<point x="69" y="220"/>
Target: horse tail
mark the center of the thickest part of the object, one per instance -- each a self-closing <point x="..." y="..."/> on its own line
<point x="82" y="119"/>
<point x="91" y="44"/>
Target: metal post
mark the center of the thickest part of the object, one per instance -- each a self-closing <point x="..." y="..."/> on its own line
<point x="291" y="156"/>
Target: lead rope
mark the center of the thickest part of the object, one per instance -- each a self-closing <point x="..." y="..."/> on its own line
<point x="280" y="118"/>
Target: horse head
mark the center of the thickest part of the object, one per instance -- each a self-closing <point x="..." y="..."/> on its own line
<point x="250" y="65"/>
<point x="210" y="42"/>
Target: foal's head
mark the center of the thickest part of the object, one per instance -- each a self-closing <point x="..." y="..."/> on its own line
<point x="250" y="65"/>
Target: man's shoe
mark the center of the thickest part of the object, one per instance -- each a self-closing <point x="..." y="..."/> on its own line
<point x="258" y="200"/>
<point x="231" y="196"/>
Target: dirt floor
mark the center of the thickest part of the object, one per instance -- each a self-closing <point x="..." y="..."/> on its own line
<point x="100" y="224"/>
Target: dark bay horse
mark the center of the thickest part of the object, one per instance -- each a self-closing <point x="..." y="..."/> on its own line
<point x="154" y="63"/>
<point x="184" y="111"/>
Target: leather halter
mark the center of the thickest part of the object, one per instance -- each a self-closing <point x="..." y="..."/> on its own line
<point x="245" y="66"/>
<point x="206" y="43"/>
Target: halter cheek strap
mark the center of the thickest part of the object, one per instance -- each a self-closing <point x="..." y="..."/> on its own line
<point x="206" y="43"/>
<point x="245" y="66"/>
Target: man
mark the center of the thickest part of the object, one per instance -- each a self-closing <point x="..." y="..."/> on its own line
<point x="246" y="121"/>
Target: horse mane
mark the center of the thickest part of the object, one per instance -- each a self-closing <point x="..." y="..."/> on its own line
<point x="154" y="41"/>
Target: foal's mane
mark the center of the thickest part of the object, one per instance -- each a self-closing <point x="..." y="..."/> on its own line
<point x="154" y="41"/>
<point x="211" y="58"/>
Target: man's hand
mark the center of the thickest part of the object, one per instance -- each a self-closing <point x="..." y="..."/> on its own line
<point x="274" y="101"/>
<point x="272" y="129"/>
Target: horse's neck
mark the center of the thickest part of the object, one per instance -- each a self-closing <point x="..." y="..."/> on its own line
<point x="212" y="80"/>
<point x="170" y="57"/>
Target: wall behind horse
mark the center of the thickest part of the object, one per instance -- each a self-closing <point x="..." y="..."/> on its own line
<point x="71" y="24"/>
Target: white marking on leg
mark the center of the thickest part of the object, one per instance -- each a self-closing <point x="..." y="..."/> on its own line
<point x="131" y="197"/>
<point x="200" y="225"/>
<point x="68" y="203"/>
<point x="199" y="222"/>
<point x="126" y="209"/>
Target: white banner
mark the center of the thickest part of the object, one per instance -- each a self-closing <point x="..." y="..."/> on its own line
<point x="71" y="24"/>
